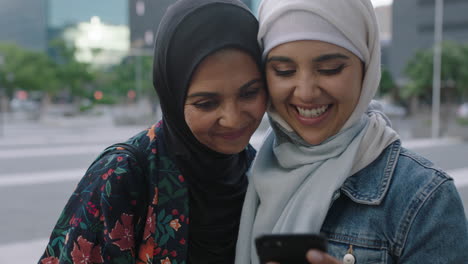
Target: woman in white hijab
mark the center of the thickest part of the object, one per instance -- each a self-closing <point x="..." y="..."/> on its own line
<point x="329" y="165"/>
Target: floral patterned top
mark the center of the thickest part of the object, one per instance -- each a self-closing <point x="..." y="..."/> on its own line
<point x="117" y="215"/>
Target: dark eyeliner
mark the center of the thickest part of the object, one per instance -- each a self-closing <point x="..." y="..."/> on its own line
<point x="332" y="71"/>
<point x="284" y="73"/>
<point x="250" y="93"/>
<point x="205" y="105"/>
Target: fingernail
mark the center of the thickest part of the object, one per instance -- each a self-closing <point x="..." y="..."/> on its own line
<point x="315" y="256"/>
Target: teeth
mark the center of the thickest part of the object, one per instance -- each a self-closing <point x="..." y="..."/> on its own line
<point x="312" y="113"/>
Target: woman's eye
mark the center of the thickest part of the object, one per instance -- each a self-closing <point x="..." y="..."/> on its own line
<point x="250" y="94"/>
<point x="333" y="71"/>
<point x="284" y="72"/>
<point x="207" y="105"/>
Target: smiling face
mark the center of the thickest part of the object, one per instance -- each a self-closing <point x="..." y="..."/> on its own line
<point x="314" y="86"/>
<point x="225" y="101"/>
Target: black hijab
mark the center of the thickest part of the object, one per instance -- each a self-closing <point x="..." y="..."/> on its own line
<point x="190" y="31"/>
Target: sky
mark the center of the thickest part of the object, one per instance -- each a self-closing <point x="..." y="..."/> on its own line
<point x="381" y="2"/>
<point x="110" y="11"/>
<point x="72" y="11"/>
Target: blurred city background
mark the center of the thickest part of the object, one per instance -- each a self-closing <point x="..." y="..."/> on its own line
<point x="75" y="77"/>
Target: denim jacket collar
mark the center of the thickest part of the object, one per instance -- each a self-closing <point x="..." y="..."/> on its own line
<point x="370" y="185"/>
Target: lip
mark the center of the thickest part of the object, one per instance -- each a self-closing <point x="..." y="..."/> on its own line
<point x="233" y="135"/>
<point x="314" y="121"/>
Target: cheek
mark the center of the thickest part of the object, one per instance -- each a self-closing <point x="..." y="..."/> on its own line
<point x="190" y="117"/>
<point x="354" y="91"/>
<point x="346" y="89"/>
<point x="278" y="90"/>
<point x="198" y="121"/>
<point x="356" y="83"/>
<point x="258" y="107"/>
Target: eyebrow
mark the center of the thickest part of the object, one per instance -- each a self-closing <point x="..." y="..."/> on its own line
<point x="250" y="83"/>
<point x="322" y="58"/>
<point x="331" y="56"/>
<point x="279" y="58"/>
<point x="210" y="94"/>
<point x="202" y="94"/>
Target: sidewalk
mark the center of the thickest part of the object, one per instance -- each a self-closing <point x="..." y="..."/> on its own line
<point x="418" y="126"/>
<point x="433" y="142"/>
<point x="61" y="130"/>
<point x="415" y="127"/>
<point x="22" y="253"/>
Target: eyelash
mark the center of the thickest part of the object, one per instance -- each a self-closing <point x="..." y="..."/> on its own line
<point x="284" y="73"/>
<point x="250" y="93"/>
<point x="326" y="72"/>
<point x="329" y="72"/>
<point x="206" y="105"/>
<point x="209" y="105"/>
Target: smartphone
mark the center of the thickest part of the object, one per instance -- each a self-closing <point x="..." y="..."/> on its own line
<point x="288" y="248"/>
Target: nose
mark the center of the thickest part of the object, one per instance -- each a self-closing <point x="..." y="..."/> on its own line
<point x="231" y="116"/>
<point x="307" y="87"/>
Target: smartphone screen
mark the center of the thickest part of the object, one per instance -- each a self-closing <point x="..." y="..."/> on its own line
<point x="288" y="248"/>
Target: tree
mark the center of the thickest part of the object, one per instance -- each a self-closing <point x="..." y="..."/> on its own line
<point x="419" y="71"/>
<point x="10" y="54"/>
<point x="453" y="72"/>
<point x="76" y="77"/>
<point x="124" y="77"/>
<point x="61" y="72"/>
<point x="387" y="85"/>
<point x="27" y="70"/>
<point x="463" y="80"/>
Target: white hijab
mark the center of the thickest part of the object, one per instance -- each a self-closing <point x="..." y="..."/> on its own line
<point x="292" y="183"/>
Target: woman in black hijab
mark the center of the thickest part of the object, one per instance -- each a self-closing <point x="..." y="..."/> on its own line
<point x="184" y="204"/>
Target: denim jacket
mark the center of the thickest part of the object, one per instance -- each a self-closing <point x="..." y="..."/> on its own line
<point x="399" y="209"/>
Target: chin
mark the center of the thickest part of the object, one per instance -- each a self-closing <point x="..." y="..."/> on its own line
<point x="314" y="140"/>
<point x="230" y="149"/>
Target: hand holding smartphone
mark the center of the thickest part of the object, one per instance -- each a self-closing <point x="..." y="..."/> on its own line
<point x="288" y="248"/>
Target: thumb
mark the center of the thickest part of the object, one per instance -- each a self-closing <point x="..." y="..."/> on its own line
<point x="318" y="257"/>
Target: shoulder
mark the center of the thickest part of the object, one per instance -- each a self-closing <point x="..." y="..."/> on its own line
<point x="124" y="165"/>
<point x="148" y="138"/>
<point x="415" y="181"/>
<point x="418" y="183"/>
<point x="426" y="200"/>
<point x="418" y="173"/>
<point x="409" y="176"/>
<point x="116" y="171"/>
<point x="399" y="181"/>
<point x="396" y="172"/>
<point x="401" y="190"/>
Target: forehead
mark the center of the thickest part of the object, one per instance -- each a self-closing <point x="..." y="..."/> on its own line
<point x="221" y="59"/>
<point x="307" y="49"/>
<point x="224" y="71"/>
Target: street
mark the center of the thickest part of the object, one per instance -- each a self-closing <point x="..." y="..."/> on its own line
<point x="40" y="165"/>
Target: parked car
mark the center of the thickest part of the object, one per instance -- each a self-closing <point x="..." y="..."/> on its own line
<point x="393" y="110"/>
<point x="24" y="105"/>
<point x="462" y="111"/>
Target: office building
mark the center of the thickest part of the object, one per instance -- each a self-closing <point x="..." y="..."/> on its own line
<point x="144" y="17"/>
<point x="97" y="29"/>
<point x="413" y="29"/>
<point x="24" y="22"/>
<point x="98" y="43"/>
<point x="87" y="24"/>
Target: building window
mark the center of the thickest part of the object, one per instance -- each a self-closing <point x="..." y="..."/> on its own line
<point x="432" y="2"/>
<point x="140" y="8"/>
<point x="447" y="27"/>
<point x="149" y="37"/>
